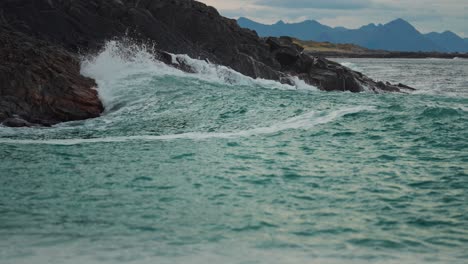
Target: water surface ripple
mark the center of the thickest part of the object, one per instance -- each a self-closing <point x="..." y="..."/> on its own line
<point x="189" y="169"/>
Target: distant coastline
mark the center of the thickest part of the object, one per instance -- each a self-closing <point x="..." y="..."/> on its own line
<point x="331" y="50"/>
<point x="396" y="36"/>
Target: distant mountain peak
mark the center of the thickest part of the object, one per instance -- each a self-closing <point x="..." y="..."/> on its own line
<point x="399" y="22"/>
<point x="309" y="21"/>
<point x="280" y="22"/>
<point x="449" y="40"/>
<point x="401" y="25"/>
<point x="243" y="19"/>
<point x="450" y="33"/>
<point x="446" y="34"/>
<point x="369" y="26"/>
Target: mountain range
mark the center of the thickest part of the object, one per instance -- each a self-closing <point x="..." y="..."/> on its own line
<point x="397" y="35"/>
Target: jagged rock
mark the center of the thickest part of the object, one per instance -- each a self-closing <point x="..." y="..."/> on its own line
<point x="400" y="85"/>
<point x="41" y="84"/>
<point x="16" y="122"/>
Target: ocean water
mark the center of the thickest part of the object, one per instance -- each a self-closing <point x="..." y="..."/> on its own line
<point x="215" y="167"/>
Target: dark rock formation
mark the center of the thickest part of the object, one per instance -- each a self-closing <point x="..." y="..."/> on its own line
<point x="325" y="74"/>
<point x="176" y="26"/>
<point x="41" y="84"/>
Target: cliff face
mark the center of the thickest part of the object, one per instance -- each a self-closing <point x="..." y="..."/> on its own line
<point x="176" y="26"/>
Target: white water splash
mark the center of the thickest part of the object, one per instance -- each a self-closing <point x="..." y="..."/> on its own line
<point x="118" y="61"/>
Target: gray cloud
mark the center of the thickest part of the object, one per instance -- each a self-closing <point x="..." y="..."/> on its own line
<point x="317" y="4"/>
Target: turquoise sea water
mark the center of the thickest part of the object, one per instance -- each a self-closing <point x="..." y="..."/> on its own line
<point x="216" y="167"/>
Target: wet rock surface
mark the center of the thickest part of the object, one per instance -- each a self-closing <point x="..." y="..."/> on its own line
<point x="41" y="84"/>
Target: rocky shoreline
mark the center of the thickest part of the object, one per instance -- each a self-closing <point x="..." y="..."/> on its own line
<point x="40" y="40"/>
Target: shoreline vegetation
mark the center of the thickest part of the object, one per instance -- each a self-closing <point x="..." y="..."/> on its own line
<point x="332" y="50"/>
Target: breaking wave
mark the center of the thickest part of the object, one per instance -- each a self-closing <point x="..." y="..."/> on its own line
<point x="120" y="61"/>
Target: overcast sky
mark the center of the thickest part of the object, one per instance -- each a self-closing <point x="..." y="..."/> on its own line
<point x="425" y="15"/>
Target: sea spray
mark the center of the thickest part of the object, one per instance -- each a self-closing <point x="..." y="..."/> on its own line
<point x="120" y="60"/>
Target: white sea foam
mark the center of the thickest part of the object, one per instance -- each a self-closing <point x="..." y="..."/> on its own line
<point x="207" y="71"/>
<point x="304" y="122"/>
<point x="118" y="61"/>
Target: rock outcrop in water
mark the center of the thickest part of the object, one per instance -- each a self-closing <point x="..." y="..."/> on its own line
<point x="176" y="26"/>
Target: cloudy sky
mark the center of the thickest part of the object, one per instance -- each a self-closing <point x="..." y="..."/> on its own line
<point x="425" y="15"/>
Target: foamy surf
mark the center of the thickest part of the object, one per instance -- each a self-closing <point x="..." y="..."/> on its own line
<point x="304" y="122"/>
